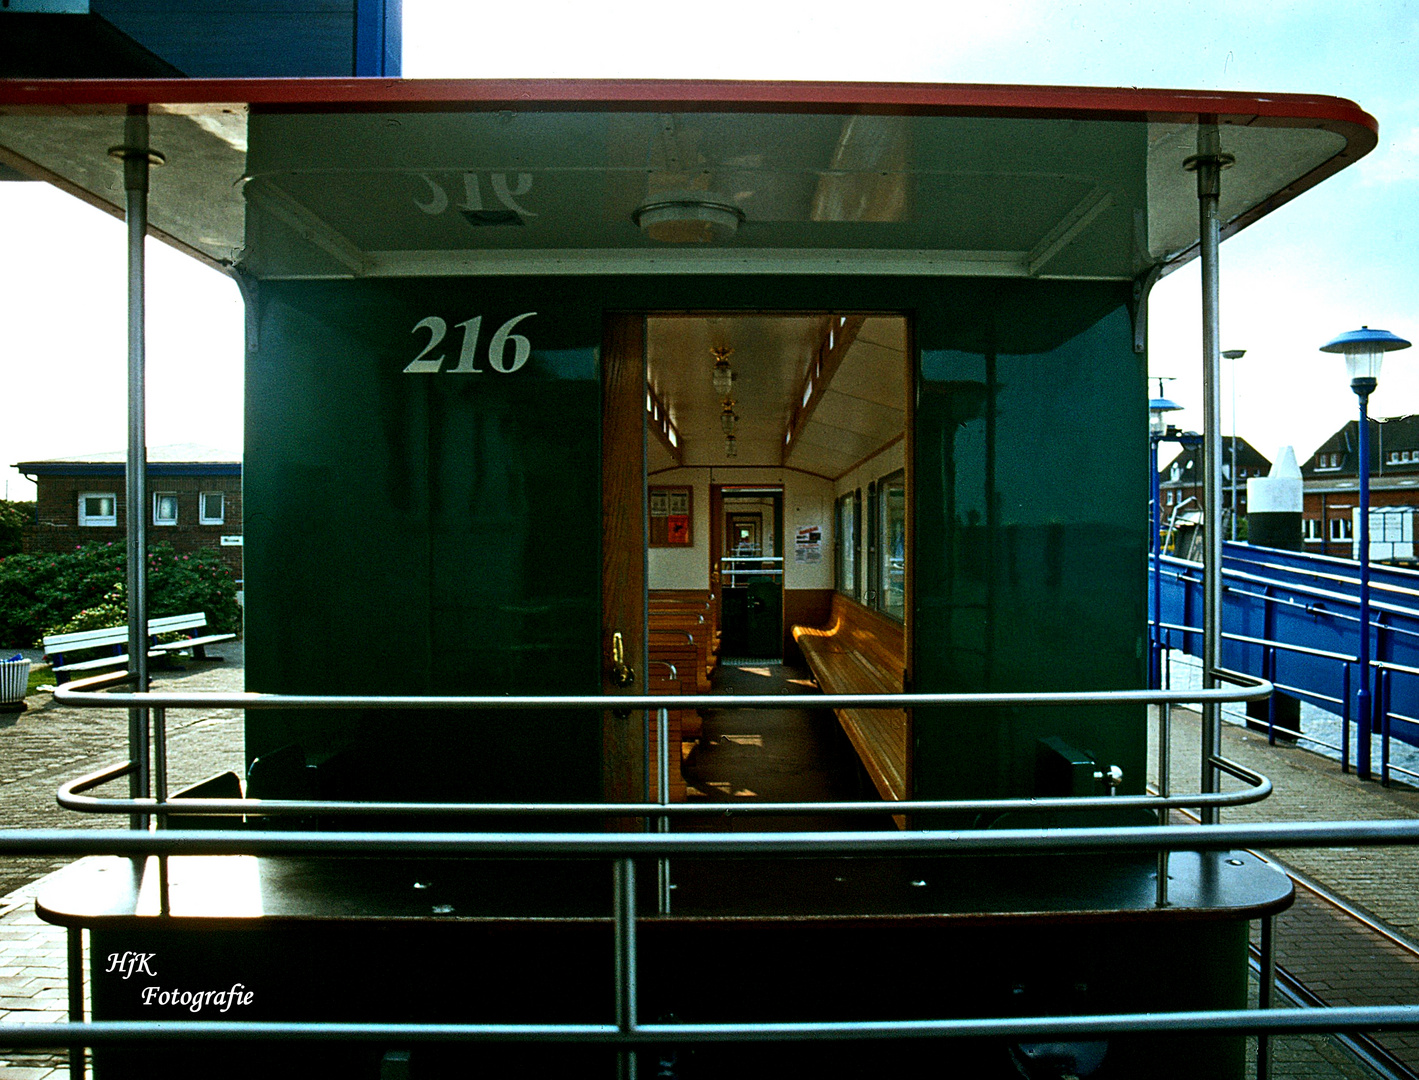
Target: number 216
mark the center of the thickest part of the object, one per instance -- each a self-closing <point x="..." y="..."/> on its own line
<point x="498" y="358"/>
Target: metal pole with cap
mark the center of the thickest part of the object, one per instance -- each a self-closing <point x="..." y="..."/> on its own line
<point x="1364" y="351"/>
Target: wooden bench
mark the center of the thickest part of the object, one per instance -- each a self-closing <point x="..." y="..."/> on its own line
<point x="59" y="648"/>
<point x="699" y="601"/>
<point x="699" y="632"/>
<point x="862" y="652"/>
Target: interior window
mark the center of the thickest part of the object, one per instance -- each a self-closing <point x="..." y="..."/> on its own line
<point x="847" y="546"/>
<point x="892" y="544"/>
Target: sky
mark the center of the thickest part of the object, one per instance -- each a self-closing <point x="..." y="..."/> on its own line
<point x="1341" y="255"/>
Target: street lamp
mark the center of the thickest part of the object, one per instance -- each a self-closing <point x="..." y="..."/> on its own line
<point x="1364" y="349"/>
<point x="1234" y="355"/>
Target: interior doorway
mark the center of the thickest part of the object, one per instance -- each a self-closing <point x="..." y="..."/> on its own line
<point x="750" y="572"/>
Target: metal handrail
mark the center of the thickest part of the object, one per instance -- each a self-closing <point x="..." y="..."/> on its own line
<point x="628" y="1033"/>
<point x="72" y="797"/>
<point x="1146" y="839"/>
<point x="1249" y="688"/>
<point x="750" y="558"/>
<point x="1020" y="1028"/>
<point x="1284" y="646"/>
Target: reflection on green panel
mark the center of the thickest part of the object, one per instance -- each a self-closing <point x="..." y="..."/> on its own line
<point x="1030" y="534"/>
<point x="425" y="494"/>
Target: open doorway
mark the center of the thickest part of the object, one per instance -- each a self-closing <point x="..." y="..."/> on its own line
<point x="778" y="486"/>
<point x="751" y="574"/>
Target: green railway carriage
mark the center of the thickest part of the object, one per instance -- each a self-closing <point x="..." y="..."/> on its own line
<point x="489" y="453"/>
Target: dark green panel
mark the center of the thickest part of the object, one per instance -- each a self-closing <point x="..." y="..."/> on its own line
<point x="440" y="533"/>
<point x="430" y="533"/>
<point x="1030" y="533"/>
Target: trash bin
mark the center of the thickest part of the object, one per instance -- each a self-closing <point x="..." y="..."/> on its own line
<point x="14" y="681"/>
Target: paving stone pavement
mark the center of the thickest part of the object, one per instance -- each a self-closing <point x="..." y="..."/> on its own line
<point x="1336" y="957"/>
<point x="40" y="749"/>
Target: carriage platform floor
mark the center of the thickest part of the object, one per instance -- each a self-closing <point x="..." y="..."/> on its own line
<point x="48" y="744"/>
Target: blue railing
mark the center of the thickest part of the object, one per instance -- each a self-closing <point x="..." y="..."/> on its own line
<point x="1293" y="619"/>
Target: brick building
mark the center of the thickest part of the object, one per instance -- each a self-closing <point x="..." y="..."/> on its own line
<point x="1332" y="480"/>
<point x="194" y="491"/>
<point x="1181" y="479"/>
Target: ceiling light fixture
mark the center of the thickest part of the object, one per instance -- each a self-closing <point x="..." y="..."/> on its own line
<point x="728" y="418"/>
<point x="723" y="375"/>
<point x="680" y="217"/>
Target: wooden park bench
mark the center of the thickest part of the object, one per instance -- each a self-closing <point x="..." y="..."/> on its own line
<point x="60" y="649"/>
<point x="862" y="652"/>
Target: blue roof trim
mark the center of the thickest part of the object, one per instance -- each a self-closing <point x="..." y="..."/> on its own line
<point x="116" y="468"/>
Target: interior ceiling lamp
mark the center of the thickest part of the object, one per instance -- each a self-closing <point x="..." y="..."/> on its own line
<point x="723" y="375"/>
<point x="731" y="446"/>
<point x="728" y="418"/>
<point x="687" y="217"/>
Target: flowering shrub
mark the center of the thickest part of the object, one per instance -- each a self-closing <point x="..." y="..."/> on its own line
<point x="13" y="516"/>
<point x="43" y="594"/>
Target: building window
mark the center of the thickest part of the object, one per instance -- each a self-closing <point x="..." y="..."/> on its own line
<point x="1169" y="499"/>
<point x="98" y="508"/>
<point x="1327" y="461"/>
<point x="164" y="508"/>
<point x="1394" y="458"/>
<point x="209" y="509"/>
<point x="1312" y="528"/>
<point x="1340" y="528"/>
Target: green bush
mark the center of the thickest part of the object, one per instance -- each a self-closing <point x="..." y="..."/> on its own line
<point x="13" y="518"/>
<point x="82" y="589"/>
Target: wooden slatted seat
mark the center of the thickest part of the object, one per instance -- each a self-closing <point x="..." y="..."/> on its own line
<point x="697" y="626"/>
<point x="862" y="652"/>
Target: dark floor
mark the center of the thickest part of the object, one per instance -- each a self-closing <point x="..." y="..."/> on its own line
<point x="775" y="755"/>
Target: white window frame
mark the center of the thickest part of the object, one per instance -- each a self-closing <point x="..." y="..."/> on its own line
<point x="97" y="520"/>
<point x="1340" y="528"/>
<point x="1313" y="530"/>
<point x="202" y="517"/>
<point x="158" y="497"/>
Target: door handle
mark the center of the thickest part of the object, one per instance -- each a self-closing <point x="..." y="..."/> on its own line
<point x="621" y="673"/>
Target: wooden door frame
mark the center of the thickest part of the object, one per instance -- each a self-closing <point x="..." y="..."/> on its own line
<point x="625" y="544"/>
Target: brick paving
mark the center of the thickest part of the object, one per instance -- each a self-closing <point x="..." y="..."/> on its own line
<point x="1340" y="960"/>
<point x="39" y="750"/>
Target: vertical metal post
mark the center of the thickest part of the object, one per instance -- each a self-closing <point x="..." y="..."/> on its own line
<point x="1345" y="717"/>
<point x="662" y="823"/>
<point x="1363" y="700"/>
<point x="1264" y="994"/>
<point x="624" y="919"/>
<point x="1384" y="688"/>
<point x="134" y="153"/>
<point x="160" y="761"/>
<point x="1208" y="164"/>
<point x="1155" y="674"/>
<point x="75" y="940"/>
<point x="1268" y="672"/>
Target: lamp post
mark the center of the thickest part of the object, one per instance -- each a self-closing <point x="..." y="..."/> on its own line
<point x="1364" y="349"/>
<point x="1234" y="355"/>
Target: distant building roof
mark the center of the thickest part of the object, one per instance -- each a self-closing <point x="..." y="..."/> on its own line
<point x="177" y="459"/>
